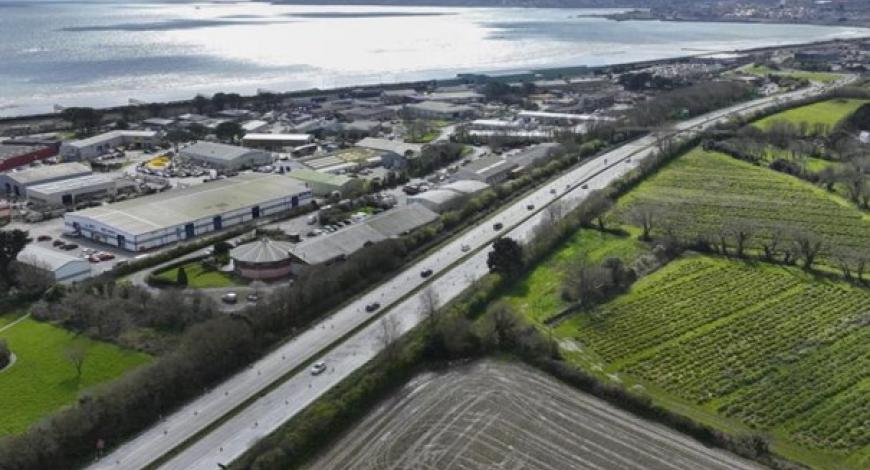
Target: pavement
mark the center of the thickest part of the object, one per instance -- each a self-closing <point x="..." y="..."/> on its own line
<point x="454" y="269"/>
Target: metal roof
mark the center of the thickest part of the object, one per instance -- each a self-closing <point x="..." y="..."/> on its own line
<point x="216" y="151"/>
<point x="440" y="107"/>
<point x="262" y="251"/>
<point x="261" y="137"/>
<point x="72" y="184"/>
<point x="435" y="196"/>
<point x="48" y="172"/>
<point x="401" y="220"/>
<point x="46" y="258"/>
<point x="111" y="135"/>
<point x="180" y="206"/>
<point x="465" y="186"/>
<point x="10" y="151"/>
<point x="489" y="166"/>
<point x="311" y="176"/>
<point x="400" y="148"/>
<point x="336" y="245"/>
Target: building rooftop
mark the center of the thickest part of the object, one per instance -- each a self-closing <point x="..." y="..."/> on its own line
<point x="436" y="196"/>
<point x="311" y="176"/>
<point x="277" y="137"/>
<point x="262" y="251"/>
<point x="215" y="151"/>
<point x="179" y="206"/>
<point x="454" y="95"/>
<point x="534" y="154"/>
<point x="466" y="186"/>
<point x="400" y="148"/>
<point x="45" y="258"/>
<point x="401" y="220"/>
<point x="99" y="139"/>
<point x="336" y="245"/>
<point x="440" y="107"/>
<point x="72" y="184"/>
<point x="49" y="172"/>
<point x="489" y="166"/>
<point x="11" y="151"/>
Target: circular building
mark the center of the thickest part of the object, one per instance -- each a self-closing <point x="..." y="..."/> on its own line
<point x="262" y="259"/>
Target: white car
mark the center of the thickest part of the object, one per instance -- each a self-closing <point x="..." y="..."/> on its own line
<point x="318" y="368"/>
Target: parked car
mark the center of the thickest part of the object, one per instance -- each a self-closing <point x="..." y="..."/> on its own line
<point x="425" y="273"/>
<point x="43" y="238"/>
<point x="230" y="298"/>
<point x="105" y="256"/>
<point x="372" y="307"/>
<point x="58" y="243"/>
<point x="318" y="368"/>
<point x="252" y="297"/>
<point x="93" y="258"/>
<point x="69" y="246"/>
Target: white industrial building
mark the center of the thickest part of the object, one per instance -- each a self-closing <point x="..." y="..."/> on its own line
<point x="102" y="144"/>
<point x="545" y="117"/>
<point x="70" y="191"/>
<point x="448" y="197"/>
<point x="276" y="142"/>
<point x="490" y="170"/>
<point x="439" y="110"/>
<point x="15" y="183"/>
<point x="325" y="184"/>
<point x="60" y="267"/>
<point x="176" y="215"/>
<point x="226" y="157"/>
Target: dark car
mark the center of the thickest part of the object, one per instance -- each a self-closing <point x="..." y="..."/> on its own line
<point x="530" y="207"/>
<point x="58" y="243"/>
<point x="43" y="238"/>
<point x="426" y="273"/>
<point x="585" y="186"/>
<point x="498" y="226"/>
<point x="372" y="307"/>
<point x="69" y="246"/>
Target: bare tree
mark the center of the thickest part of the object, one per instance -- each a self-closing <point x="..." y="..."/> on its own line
<point x="429" y="302"/>
<point x="808" y="245"/>
<point x="389" y="334"/>
<point x="741" y="230"/>
<point x="645" y="216"/>
<point x="598" y="205"/>
<point x="76" y="354"/>
<point x="770" y="244"/>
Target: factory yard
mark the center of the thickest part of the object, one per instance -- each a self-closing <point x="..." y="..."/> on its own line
<point x="501" y="415"/>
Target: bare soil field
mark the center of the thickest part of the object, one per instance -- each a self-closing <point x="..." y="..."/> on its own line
<point x="499" y="415"/>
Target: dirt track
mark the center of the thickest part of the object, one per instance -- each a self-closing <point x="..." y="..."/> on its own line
<point x="494" y="415"/>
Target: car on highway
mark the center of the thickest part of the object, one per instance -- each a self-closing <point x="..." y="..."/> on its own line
<point x="530" y="207"/>
<point x="43" y="238"/>
<point x="465" y="248"/>
<point x="552" y="190"/>
<point x="585" y="186"/>
<point x="497" y="226"/>
<point x="372" y="307"/>
<point x="318" y="368"/>
<point x="425" y="273"/>
<point x="252" y="297"/>
<point x="230" y="298"/>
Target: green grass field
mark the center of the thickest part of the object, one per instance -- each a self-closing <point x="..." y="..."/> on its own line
<point x="546" y="280"/>
<point x="827" y="113"/>
<point x="198" y="277"/>
<point x="42" y="380"/>
<point x="701" y="190"/>
<point x="769" y="347"/>
<point x="763" y="71"/>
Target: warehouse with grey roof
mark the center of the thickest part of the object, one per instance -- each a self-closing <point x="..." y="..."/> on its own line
<point x="176" y="215"/>
<point x="226" y="157"/>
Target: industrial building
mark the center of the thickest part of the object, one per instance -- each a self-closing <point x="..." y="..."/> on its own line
<point x="337" y="246"/>
<point x="153" y="221"/>
<point x="102" y="144"/>
<point x="58" y="266"/>
<point x="262" y="259"/>
<point x="276" y="142"/>
<point x="16" y="183"/>
<point x="439" y="110"/>
<point x="325" y="184"/>
<point x="448" y="197"/>
<point x="534" y="155"/>
<point x="545" y="117"/>
<point x="14" y="156"/>
<point x="225" y="157"/>
<point x="395" y="153"/>
<point x="70" y="191"/>
<point x="490" y="170"/>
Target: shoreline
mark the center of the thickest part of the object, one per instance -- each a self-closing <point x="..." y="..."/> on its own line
<point x="184" y="105"/>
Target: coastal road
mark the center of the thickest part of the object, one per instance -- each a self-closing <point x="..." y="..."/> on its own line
<point x="400" y="299"/>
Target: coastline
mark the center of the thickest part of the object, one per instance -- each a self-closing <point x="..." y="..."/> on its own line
<point x="641" y="14"/>
<point x="185" y="105"/>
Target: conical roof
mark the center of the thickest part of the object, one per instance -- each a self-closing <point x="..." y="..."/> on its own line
<point x="262" y="251"/>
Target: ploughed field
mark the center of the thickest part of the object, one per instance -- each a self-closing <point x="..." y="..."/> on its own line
<point x="768" y="346"/>
<point x="501" y="415"/>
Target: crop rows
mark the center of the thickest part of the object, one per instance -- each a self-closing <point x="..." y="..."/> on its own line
<point x="707" y="189"/>
<point x="755" y="344"/>
<point x="685" y="296"/>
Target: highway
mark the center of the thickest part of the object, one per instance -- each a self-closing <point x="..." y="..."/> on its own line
<point x="454" y="271"/>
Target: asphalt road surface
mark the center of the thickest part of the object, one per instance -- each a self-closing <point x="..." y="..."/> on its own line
<point x="454" y="269"/>
<point x="499" y="415"/>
